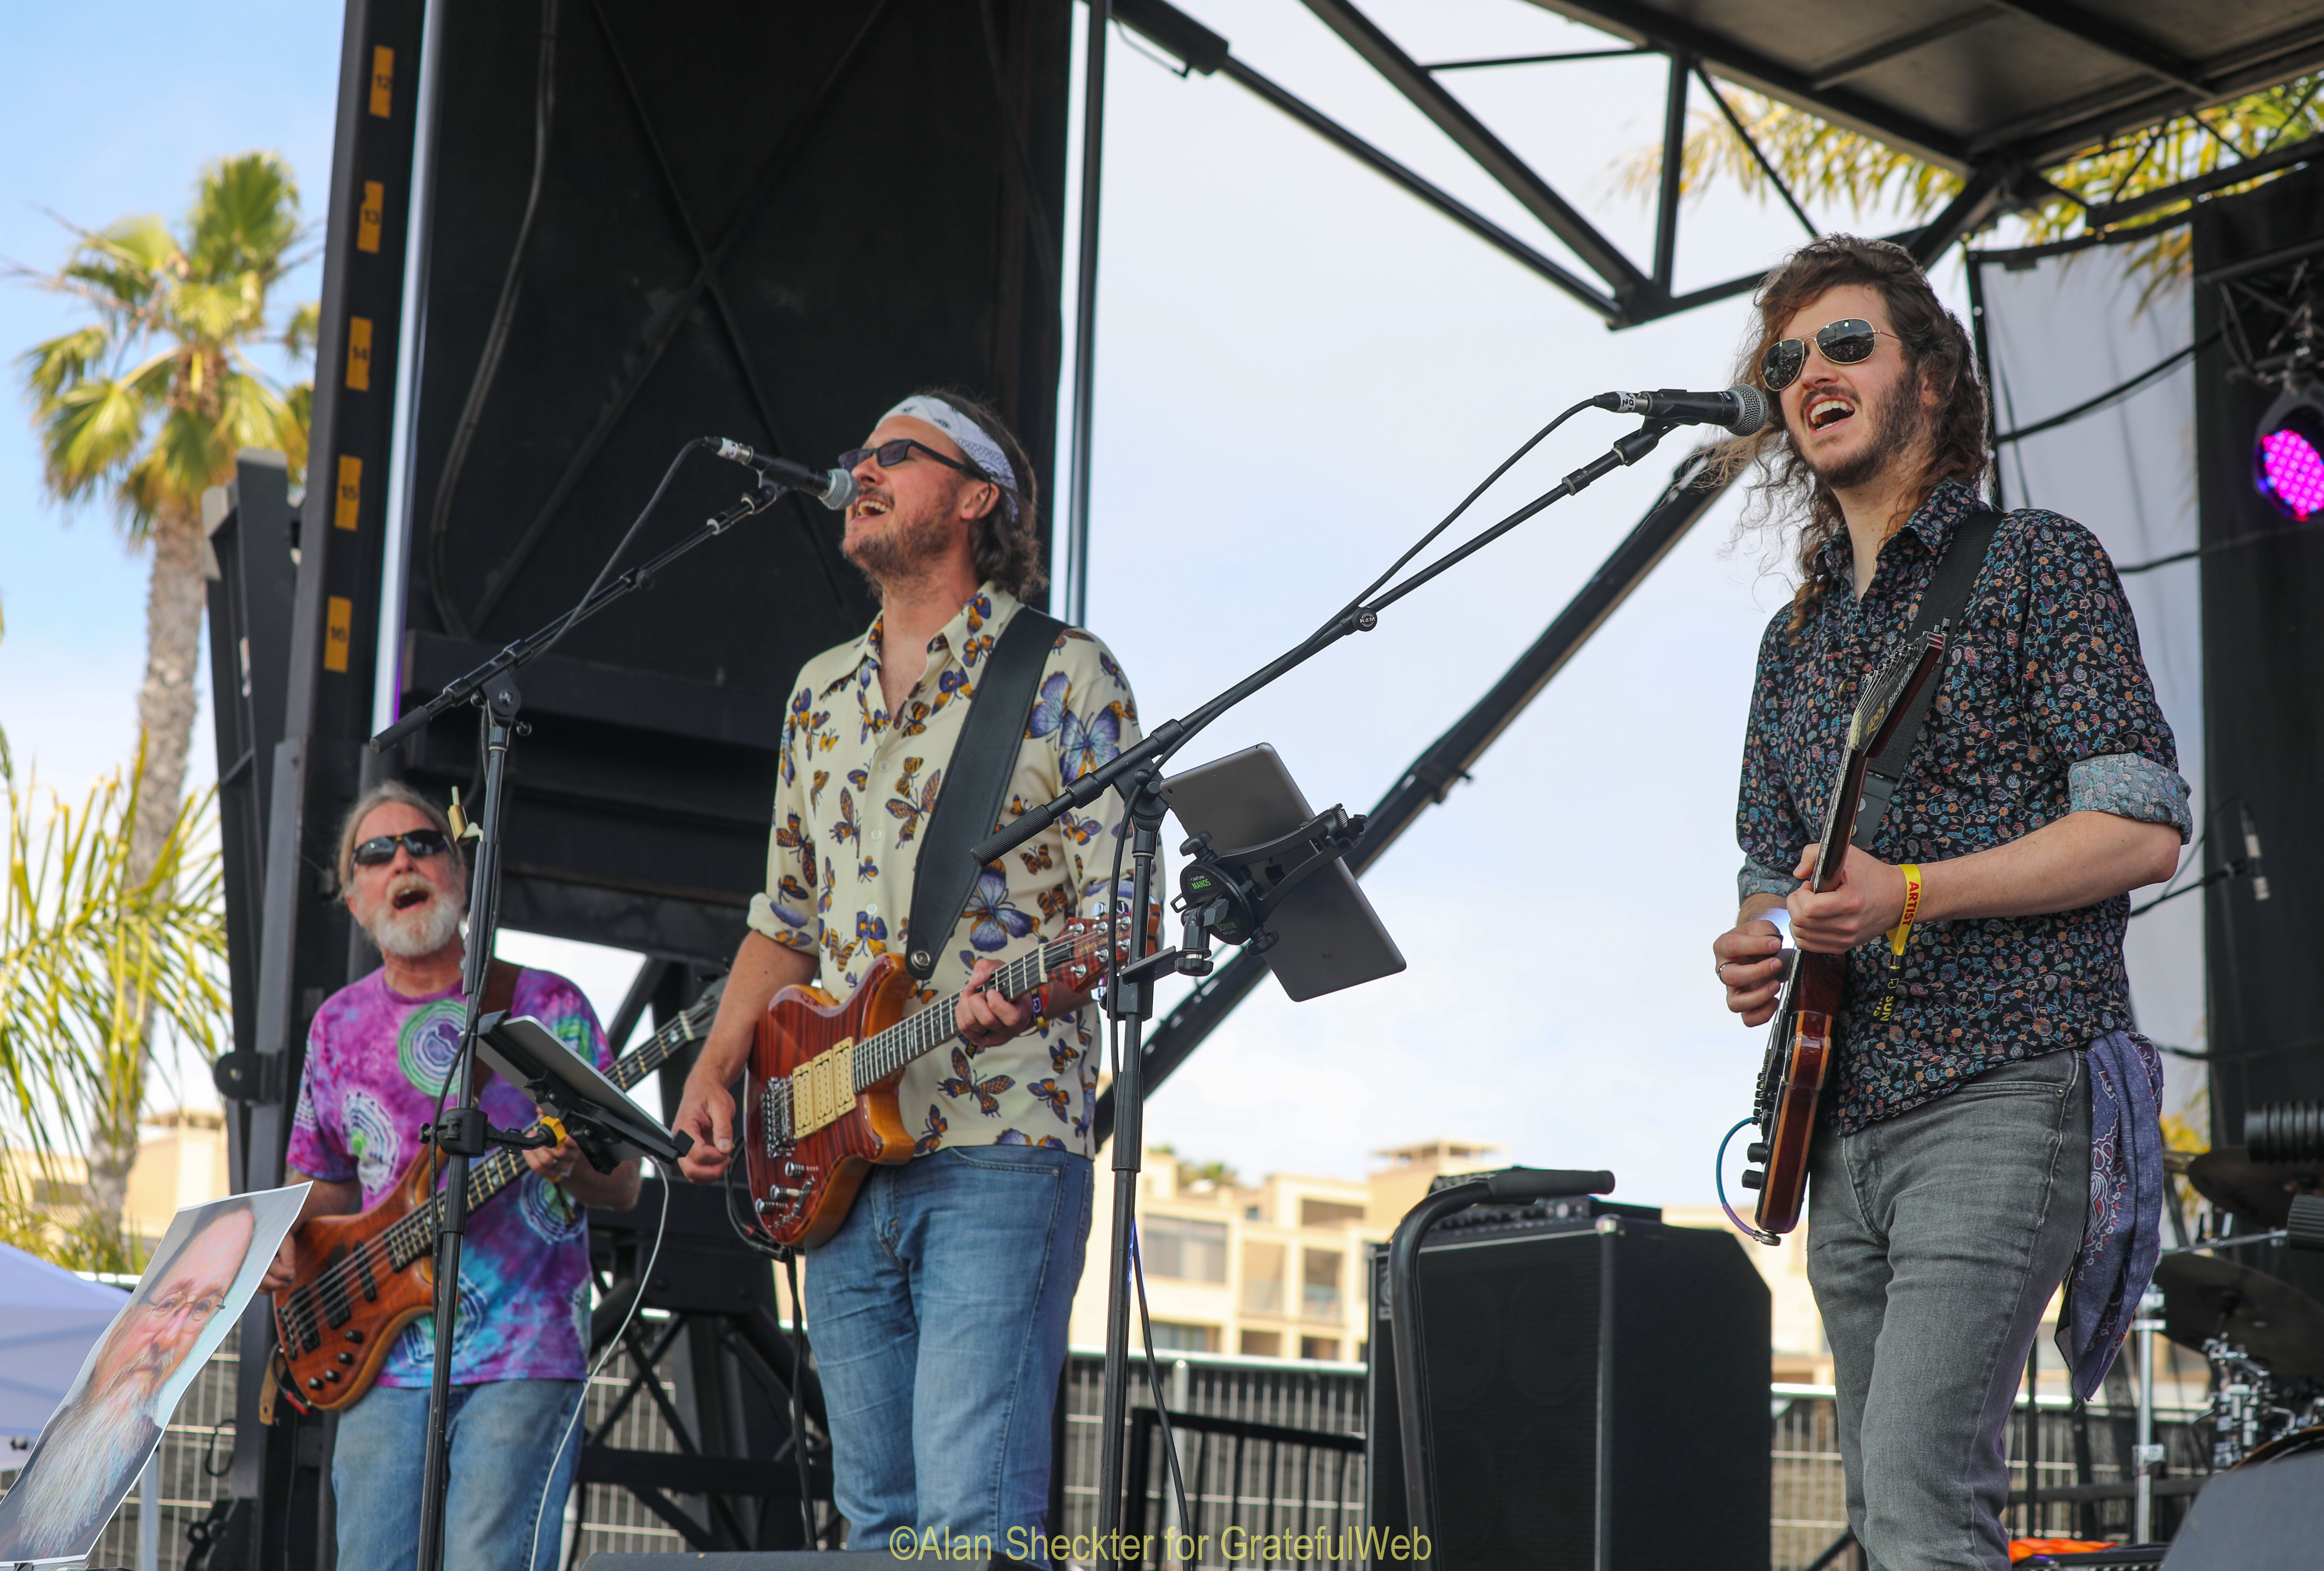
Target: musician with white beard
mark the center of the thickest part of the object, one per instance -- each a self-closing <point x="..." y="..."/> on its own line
<point x="378" y="1055"/>
<point x="97" y="1442"/>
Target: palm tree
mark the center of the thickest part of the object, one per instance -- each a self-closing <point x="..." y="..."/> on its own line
<point x="148" y="403"/>
<point x="1820" y="160"/>
<point x="92" y="956"/>
<point x="146" y="406"/>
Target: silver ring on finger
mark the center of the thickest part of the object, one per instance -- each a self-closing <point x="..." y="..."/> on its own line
<point x="1719" y="970"/>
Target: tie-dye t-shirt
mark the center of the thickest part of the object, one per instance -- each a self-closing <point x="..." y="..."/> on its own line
<point x="375" y="1063"/>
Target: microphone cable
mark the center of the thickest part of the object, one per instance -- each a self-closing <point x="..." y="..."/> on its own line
<point x="581" y="1403"/>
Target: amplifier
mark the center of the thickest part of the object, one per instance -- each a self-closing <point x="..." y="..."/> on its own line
<point x="1597" y="1393"/>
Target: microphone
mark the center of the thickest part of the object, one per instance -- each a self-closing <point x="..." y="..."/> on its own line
<point x="1742" y="410"/>
<point x="833" y="488"/>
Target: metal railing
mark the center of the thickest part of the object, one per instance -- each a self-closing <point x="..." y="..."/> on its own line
<point x="1275" y="1448"/>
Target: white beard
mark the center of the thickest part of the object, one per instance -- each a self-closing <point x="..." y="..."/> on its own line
<point x="90" y="1450"/>
<point x="421" y="930"/>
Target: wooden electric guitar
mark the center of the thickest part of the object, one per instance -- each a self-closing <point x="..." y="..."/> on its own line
<point x="820" y="1094"/>
<point x="1799" y="1038"/>
<point x="362" y="1279"/>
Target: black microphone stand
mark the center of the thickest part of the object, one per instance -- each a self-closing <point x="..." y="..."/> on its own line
<point x="1137" y="773"/>
<point x="462" y="1132"/>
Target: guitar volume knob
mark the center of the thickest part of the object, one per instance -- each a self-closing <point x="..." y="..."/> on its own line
<point x="1756" y="1152"/>
<point x="1754" y="1179"/>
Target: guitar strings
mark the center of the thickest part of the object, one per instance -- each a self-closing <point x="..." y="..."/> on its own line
<point x="412" y="1230"/>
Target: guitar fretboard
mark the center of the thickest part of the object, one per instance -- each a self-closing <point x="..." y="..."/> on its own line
<point x="415" y="1235"/>
<point x="880" y="1056"/>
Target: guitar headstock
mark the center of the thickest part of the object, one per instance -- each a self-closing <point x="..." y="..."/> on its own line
<point x="1890" y="688"/>
<point x="1091" y="958"/>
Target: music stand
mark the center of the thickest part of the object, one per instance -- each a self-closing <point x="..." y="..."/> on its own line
<point x="602" y="1120"/>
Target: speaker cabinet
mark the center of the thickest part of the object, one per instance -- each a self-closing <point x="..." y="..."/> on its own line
<point x="1597" y="1393"/>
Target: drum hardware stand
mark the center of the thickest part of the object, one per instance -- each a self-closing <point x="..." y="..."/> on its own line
<point x="462" y="1132"/>
<point x="2149" y="1455"/>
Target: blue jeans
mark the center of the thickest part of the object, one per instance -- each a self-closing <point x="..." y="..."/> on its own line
<point x="503" y="1434"/>
<point x="938" y="1314"/>
<point x="1935" y="1240"/>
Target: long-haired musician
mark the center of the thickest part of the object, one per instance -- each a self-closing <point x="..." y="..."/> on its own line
<point x="1984" y="1042"/>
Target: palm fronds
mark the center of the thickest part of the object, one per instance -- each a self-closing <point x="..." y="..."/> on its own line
<point x="94" y="961"/>
<point x="1827" y="163"/>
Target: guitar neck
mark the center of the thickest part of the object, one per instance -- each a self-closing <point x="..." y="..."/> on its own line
<point x="503" y="1166"/>
<point x="921" y="1035"/>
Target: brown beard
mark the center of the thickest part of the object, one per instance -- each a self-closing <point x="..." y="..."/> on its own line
<point x="901" y="553"/>
<point x="1899" y="420"/>
<point x="92" y="1447"/>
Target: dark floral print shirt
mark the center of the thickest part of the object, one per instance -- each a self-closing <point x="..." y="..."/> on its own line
<point x="2044" y="709"/>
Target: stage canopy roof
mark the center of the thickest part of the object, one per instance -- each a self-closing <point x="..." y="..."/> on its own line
<point x="1965" y="83"/>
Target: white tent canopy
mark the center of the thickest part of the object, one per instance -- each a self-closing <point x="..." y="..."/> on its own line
<point x="48" y="1320"/>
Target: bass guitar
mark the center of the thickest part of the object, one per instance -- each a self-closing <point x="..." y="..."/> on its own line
<point x="819" y="1093"/>
<point x="362" y="1279"/>
<point x="1799" y="1038"/>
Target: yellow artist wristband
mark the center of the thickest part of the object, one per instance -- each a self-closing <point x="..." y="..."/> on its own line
<point x="1902" y="933"/>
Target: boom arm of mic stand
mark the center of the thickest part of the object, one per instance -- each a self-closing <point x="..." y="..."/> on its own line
<point x="464" y="689"/>
<point x="1173" y="734"/>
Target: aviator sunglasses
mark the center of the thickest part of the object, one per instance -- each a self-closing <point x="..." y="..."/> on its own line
<point x="1847" y="342"/>
<point x="380" y="849"/>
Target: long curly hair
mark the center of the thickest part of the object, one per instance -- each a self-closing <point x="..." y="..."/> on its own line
<point x="1007" y="549"/>
<point x="1936" y="347"/>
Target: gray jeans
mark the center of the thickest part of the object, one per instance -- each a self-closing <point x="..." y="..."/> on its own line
<point x="1935" y="1239"/>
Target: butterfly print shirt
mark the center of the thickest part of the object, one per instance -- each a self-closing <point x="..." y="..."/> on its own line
<point x="376" y="1061"/>
<point x="855" y="787"/>
<point x="2043" y="708"/>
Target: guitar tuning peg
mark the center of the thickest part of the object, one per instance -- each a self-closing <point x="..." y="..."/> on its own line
<point x="1756" y="1152"/>
<point x="1754" y="1179"/>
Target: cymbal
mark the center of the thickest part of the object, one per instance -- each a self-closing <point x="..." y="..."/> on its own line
<point x="2205" y="1297"/>
<point x="2260" y="1191"/>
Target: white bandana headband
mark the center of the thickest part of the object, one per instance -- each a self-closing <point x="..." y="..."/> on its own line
<point x="970" y="438"/>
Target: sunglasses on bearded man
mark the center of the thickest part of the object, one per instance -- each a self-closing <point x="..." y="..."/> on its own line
<point x="380" y="849"/>
<point x="1847" y="342"/>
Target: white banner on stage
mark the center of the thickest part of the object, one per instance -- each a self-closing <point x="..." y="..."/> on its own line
<point x="2060" y="331"/>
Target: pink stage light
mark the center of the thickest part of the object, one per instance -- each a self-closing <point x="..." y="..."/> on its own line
<point x="2292" y="472"/>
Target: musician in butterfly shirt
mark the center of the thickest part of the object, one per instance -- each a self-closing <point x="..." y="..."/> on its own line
<point x="377" y="1056"/>
<point x="1991" y="1131"/>
<point x="938" y="1309"/>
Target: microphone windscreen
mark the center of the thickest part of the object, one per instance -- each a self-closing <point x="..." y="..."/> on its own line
<point x="1751" y="410"/>
<point x="840" y="492"/>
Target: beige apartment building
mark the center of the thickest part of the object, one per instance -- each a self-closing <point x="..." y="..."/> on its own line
<point x="1273" y="1269"/>
<point x="182" y="1161"/>
<point x="1277" y="1270"/>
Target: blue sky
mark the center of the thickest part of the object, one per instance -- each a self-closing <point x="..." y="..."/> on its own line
<point x="1299" y="368"/>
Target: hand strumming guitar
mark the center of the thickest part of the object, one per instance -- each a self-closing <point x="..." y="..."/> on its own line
<point x="1865" y="903"/>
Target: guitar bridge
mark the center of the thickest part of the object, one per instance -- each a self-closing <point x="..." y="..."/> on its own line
<point x="775" y="1117"/>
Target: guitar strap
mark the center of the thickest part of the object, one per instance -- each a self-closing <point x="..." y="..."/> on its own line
<point x="1947" y="598"/>
<point x="976" y="783"/>
<point x="500" y="986"/>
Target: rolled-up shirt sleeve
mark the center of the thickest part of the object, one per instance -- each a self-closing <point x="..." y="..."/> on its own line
<point x="2129" y="786"/>
<point x="1767" y="824"/>
<point x="2088" y="694"/>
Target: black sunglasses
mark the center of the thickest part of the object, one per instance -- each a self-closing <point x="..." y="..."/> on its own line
<point x="380" y="849"/>
<point x="892" y="453"/>
<point x="1847" y="342"/>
